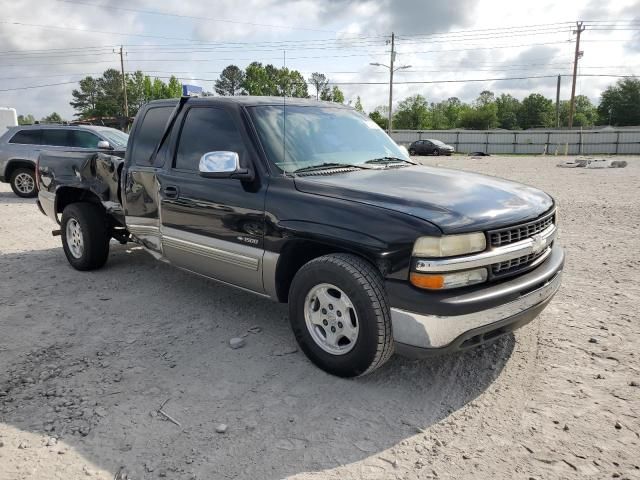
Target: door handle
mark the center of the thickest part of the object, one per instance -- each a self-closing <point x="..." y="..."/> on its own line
<point x="171" y="191"/>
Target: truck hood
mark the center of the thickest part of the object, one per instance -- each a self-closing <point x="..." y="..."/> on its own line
<point x="453" y="200"/>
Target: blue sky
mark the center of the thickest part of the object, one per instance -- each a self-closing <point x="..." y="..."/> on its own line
<point x="60" y="41"/>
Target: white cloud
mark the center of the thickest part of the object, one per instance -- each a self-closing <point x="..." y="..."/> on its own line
<point x="461" y="56"/>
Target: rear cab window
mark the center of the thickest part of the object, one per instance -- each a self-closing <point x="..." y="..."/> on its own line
<point x="148" y="135"/>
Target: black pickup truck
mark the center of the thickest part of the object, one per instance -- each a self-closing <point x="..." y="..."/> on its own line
<point x="312" y="204"/>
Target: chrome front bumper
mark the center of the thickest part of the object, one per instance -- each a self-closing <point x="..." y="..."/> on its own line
<point x="441" y="332"/>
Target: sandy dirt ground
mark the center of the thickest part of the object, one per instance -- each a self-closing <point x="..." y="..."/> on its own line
<point x="88" y="359"/>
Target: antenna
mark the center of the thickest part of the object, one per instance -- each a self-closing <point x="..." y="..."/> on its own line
<point x="284" y="110"/>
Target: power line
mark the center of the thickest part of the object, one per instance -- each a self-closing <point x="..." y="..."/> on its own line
<point x="421" y="82"/>
<point x="192" y="17"/>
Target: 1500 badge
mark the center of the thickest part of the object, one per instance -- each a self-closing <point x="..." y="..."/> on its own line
<point x="252" y="241"/>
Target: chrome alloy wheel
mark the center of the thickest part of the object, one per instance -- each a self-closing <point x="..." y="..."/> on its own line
<point x="74" y="238"/>
<point x="24" y="183"/>
<point x="331" y="319"/>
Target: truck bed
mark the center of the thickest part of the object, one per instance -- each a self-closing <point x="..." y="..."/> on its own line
<point x="96" y="172"/>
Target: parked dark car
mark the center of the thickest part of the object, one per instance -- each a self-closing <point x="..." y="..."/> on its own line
<point x="20" y="147"/>
<point x="314" y="205"/>
<point x="430" y="147"/>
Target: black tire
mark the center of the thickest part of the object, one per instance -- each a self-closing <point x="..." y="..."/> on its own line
<point x="18" y="184"/>
<point x="364" y="287"/>
<point x="94" y="232"/>
<point x="436" y="152"/>
<point x="412" y="152"/>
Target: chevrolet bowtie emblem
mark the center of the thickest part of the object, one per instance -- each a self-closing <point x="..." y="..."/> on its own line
<point x="539" y="243"/>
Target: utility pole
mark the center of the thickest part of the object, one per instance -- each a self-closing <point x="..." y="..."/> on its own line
<point x="558" y="102"/>
<point x="391" y="72"/>
<point x="124" y="88"/>
<point x="393" y="57"/>
<point x="580" y="28"/>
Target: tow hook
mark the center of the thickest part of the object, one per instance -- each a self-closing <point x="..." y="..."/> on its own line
<point x="56" y="233"/>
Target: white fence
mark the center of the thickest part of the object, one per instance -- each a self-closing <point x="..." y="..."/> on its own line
<point x="573" y="142"/>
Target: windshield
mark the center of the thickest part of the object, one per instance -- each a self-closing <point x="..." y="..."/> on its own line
<point x="436" y="142"/>
<point x="317" y="135"/>
<point x="115" y="137"/>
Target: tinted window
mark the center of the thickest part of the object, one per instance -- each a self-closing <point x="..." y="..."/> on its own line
<point x="207" y="130"/>
<point x="27" y="137"/>
<point x="56" y="137"/>
<point x="84" y="139"/>
<point x="148" y="134"/>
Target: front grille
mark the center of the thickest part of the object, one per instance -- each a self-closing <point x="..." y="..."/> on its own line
<point x="505" y="236"/>
<point x="515" y="265"/>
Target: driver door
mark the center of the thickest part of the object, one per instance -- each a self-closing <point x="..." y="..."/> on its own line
<point x="212" y="226"/>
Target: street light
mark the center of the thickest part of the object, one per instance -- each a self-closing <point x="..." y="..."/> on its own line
<point x="391" y="72"/>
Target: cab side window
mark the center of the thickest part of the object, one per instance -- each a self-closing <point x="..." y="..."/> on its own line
<point x="207" y="129"/>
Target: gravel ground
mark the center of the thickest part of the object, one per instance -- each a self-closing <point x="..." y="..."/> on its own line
<point x="87" y="360"/>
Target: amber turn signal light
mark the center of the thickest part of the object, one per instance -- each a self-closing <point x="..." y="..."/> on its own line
<point x="432" y="282"/>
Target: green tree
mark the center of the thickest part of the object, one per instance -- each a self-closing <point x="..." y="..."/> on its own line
<point x="508" y="108"/>
<point x="358" y="105"/>
<point x="381" y="116"/>
<point x="319" y="82"/>
<point x="230" y="81"/>
<point x="412" y="114"/>
<point x="103" y="97"/>
<point x="337" y="95"/>
<point x="483" y="115"/>
<point x="270" y="80"/>
<point x="174" y="88"/>
<point x="26" y="119"/>
<point x="53" y="118"/>
<point x="584" y="115"/>
<point x="111" y="97"/>
<point x="85" y="99"/>
<point x="136" y="96"/>
<point x="620" y="103"/>
<point x="536" y="111"/>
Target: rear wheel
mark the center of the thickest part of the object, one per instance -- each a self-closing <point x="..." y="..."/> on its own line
<point x="412" y="152"/>
<point x="340" y="315"/>
<point x="85" y="236"/>
<point x="436" y="152"/>
<point x="23" y="182"/>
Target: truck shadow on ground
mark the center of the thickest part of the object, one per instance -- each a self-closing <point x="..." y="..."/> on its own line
<point x="91" y="356"/>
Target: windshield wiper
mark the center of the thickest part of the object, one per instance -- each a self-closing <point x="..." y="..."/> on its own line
<point x="388" y="160"/>
<point x="328" y="165"/>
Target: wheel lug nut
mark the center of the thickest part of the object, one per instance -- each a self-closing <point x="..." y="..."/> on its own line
<point x="324" y="311"/>
<point x="339" y="313"/>
<point x="333" y="329"/>
<point x="325" y="323"/>
<point x="339" y="324"/>
<point x="330" y="307"/>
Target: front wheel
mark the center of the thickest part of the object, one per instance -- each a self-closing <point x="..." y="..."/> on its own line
<point x="340" y="315"/>
<point x="85" y="236"/>
<point x="23" y="183"/>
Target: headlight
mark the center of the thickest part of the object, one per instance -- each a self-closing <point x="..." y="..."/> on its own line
<point x="441" y="281"/>
<point x="449" y="245"/>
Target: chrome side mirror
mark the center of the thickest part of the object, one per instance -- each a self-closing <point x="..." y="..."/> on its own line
<point x="104" y="145"/>
<point x="222" y="165"/>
